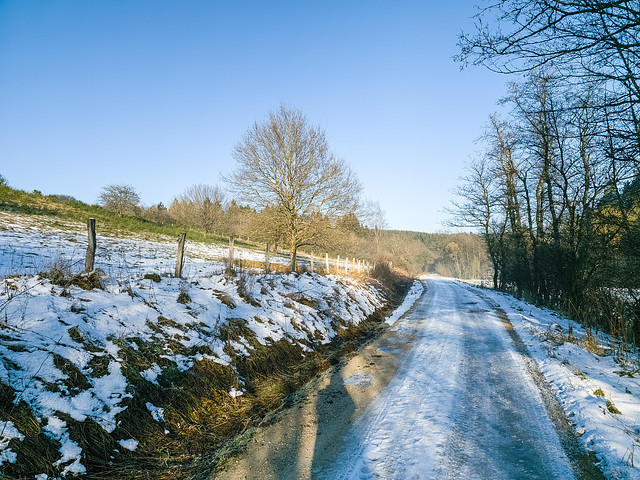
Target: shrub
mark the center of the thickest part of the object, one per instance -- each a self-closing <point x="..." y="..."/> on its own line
<point x="59" y="271"/>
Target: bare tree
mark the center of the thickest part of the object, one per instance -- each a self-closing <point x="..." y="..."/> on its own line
<point x="158" y="213"/>
<point x="374" y="218"/>
<point x="598" y="36"/>
<point x="200" y="206"/>
<point x="586" y="40"/>
<point x="119" y="198"/>
<point x="284" y="164"/>
<point x="3" y="181"/>
<point x="479" y="196"/>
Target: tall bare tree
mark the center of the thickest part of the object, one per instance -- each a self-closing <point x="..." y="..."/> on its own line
<point x="587" y="40"/>
<point x="374" y="218"/>
<point x="284" y="164"/>
<point x="479" y="191"/>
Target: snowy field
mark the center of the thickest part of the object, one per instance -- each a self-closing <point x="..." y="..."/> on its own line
<point x="29" y="243"/>
<point x="48" y="331"/>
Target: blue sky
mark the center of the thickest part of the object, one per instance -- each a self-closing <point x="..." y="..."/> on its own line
<point x="155" y="93"/>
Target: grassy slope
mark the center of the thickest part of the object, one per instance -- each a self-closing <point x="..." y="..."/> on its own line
<point x="34" y="203"/>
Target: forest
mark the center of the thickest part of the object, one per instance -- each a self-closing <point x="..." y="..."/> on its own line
<point x="555" y="190"/>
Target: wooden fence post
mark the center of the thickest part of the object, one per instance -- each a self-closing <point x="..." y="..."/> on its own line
<point x="326" y="262"/>
<point x="312" y="262"/>
<point x="91" y="248"/>
<point x="180" y="259"/>
<point x="338" y="264"/>
<point x="267" y="266"/>
<point x="232" y="240"/>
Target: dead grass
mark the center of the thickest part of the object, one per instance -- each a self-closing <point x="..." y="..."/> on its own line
<point x="60" y="273"/>
<point x="224" y="298"/>
<point x="75" y="380"/>
<point x="612" y="408"/>
<point x="589" y="341"/>
<point x="36" y="453"/>
<point x="80" y="337"/>
<point x="301" y="298"/>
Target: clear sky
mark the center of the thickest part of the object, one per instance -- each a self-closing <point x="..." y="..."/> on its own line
<point x="155" y="93"/>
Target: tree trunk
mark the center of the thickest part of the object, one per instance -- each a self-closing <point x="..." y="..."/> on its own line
<point x="231" y="250"/>
<point x="293" y="254"/>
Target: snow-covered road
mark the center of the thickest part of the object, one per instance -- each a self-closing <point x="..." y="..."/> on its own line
<point x="462" y="405"/>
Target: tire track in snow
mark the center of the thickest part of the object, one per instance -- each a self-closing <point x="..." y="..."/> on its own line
<point x="582" y="463"/>
<point x="501" y="429"/>
<point x="462" y="406"/>
<point x="392" y="439"/>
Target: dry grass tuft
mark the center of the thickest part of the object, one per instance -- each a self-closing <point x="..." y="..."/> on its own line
<point x="612" y="408"/>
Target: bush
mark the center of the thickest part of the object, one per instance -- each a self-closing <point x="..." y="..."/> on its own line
<point x="59" y="272"/>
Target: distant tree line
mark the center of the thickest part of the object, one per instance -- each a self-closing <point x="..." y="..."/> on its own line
<point x="458" y="255"/>
<point x="555" y="191"/>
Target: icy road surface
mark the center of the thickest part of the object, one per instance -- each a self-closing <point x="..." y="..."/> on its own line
<point x="462" y="406"/>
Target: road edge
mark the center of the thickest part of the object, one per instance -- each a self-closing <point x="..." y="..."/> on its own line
<point x="583" y="462"/>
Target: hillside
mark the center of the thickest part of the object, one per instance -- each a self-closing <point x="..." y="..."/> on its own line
<point x="60" y="208"/>
<point x="129" y="369"/>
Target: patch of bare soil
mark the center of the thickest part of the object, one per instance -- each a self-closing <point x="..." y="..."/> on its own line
<point x="309" y="435"/>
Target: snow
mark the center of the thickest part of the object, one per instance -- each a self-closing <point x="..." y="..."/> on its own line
<point x="235" y="393"/>
<point x="7" y="432"/>
<point x="463" y="401"/>
<point x="42" y="328"/>
<point x="414" y="293"/>
<point x="575" y="374"/>
<point x="47" y="329"/>
<point x="129" y="444"/>
<point x="70" y="451"/>
<point x="360" y="379"/>
<point x="151" y="374"/>
<point x="156" y="412"/>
